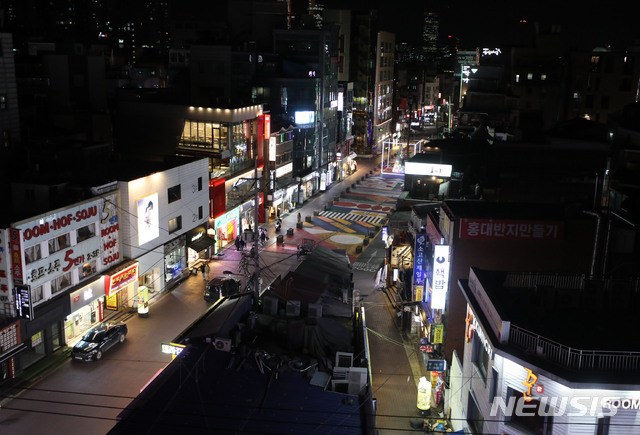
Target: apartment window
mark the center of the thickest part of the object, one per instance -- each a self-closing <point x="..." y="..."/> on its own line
<point x="86" y="232"/>
<point x="58" y="243"/>
<point x="602" y="427"/>
<point x="480" y="357"/>
<point x="175" y="224"/>
<point x="200" y="214"/>
<point x="3" y="102"/>
<point x="199" y="184"/>
<point x="60" y="283"/>
<point x="32" y="253"/>
<point x="529" y="76"/>
<point x="36" y="294"/>
<point x="174" y="194"/>
<point x="517" y="78"/>
<point x="543" y="77"/>
<point x="475" y="419"/>
<point x="604" y="102"/>
<point x="533" y="421"/>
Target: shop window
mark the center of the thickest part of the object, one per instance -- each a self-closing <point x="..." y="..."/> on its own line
<point x="475" y="420"/>
<point x="85" y="233"/>
<point x="531" y="421"/>
<point x="602" y="427"/>
<point x="32" y="253"/>
<point x="480" y="357"/>
<point x="60" y="283"/>
<point x="58" y="243"/>
<point x="36" y="294"/>
<point x="175" y="224"/>
<point x="174" y="194"/>
<point x="88" y="269"/>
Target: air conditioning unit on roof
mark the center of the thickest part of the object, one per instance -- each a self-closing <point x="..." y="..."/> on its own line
<point x="222" y="344"/>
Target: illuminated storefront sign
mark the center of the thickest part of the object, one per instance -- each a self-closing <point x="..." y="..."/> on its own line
<point x="172" y="349"/>
<point x="529" y="383"/>
<point x="480" y="334"/>
<point x="438" y="332"/>
<point x="419" y="263"/>
<point x="117" y="282"/>
<point x="284" y="169"/>
<point x="272" y="149"/>
<point x="510" y="229"/>
<point x="428" y="169"/>
<point x="491" y="51"/>
<point x="436" y="365"/>
<point x="440" y="284"/>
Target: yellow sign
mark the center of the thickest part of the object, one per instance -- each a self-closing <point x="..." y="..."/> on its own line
<point x="529" y="383"/>
<point x="438" y="331"/>
<point x="419" y="292"/>
<point x="36" y="339"/>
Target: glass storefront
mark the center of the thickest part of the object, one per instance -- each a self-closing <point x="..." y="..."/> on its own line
<point x="226" y="228"/>
<point x="175" y="261"/>
<point x="81" y="321"/>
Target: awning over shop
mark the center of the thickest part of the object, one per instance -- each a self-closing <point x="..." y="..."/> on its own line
<point x="202" y="243"/>
<point x="13" y="352"/>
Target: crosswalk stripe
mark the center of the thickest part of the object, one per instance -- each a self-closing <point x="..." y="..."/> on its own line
<point x="353" y="217"/>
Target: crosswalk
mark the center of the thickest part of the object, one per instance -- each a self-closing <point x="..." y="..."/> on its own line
<point x="366" y="267"/>
<point x="366" y="217"/>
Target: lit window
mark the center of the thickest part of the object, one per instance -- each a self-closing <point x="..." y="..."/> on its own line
<point x="543" y="76"/>
<point x="175" y="224"/>
<point x="530" y="76"/>
<point x="517" y="78"/>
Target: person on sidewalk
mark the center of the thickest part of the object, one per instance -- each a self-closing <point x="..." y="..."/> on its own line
<point x="299" y="217"/>
<point x="237" y="242"/>
<point x="202" y="269"/>
<point x="207" y="270"/>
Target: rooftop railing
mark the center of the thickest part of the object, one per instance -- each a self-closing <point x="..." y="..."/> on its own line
<point x="570" y="358"/>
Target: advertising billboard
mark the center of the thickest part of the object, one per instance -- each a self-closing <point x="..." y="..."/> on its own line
<point x="148" y="228"/>
<point x="304" y="117"/>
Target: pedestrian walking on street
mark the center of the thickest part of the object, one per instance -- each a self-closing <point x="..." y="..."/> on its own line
<point x="242" y="244"/>
<point x="202" y="269"/>
<point x="237" y="242"/>
<point x="207" y="269"/>
<point x="299" y="218"/>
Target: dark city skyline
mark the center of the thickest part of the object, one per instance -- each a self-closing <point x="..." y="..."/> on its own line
<point x="507" y="22"/>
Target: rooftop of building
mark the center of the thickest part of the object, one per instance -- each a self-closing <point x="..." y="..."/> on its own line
<point x="575" y="326"/>
<point x="477" y="209"/>
<point x="273" y="367"/>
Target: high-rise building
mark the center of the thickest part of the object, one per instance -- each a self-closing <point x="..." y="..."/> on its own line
<point x="430" y="34"/>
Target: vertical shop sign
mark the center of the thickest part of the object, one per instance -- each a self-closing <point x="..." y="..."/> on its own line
<point x="16" y="256"/>
<point x="440" y="283"/>
<point x="438" y="331"/>
<point x="419" y="262"/>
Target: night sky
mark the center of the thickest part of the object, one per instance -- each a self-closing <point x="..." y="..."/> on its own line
<point x="498" y="22"/>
